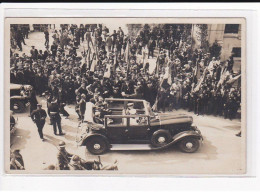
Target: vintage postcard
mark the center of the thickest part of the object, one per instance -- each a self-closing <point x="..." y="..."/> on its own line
<point x="125" y="96"/>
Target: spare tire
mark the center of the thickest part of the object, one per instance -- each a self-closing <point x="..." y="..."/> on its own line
<point x="161" y="138"/>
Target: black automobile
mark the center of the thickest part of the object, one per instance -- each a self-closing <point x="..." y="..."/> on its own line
<point x="139" y="128"/>
<point x="19" y="97"/>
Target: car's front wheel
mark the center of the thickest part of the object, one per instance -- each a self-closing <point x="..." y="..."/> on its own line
<point x="189" y="144"/>
<point x="17" y="107"/>
<point x="97" y="145"/>
<point x="161" y="138"/>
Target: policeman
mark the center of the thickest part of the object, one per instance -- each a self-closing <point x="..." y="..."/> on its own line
<point x="63" y="157"/>
<point x="38" y="116"/>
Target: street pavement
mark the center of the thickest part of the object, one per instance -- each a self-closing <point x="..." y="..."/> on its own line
<point x="221" y="152"/>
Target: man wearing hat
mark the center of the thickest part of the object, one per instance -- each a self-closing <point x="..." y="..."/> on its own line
<point x="38" y="116"/>
<point x="132" y="111"/>
<point x="126" y="88"/>
<point x="151" y="46"/>
<point x="63" y="157"/>
<point x="34" y="53"/>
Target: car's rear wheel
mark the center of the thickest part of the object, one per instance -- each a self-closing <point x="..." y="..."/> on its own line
<point x="17" y="107"/>
<point x="97" y="145"/>
<point x="161" y="138"/>
<point x="189" y="144"/>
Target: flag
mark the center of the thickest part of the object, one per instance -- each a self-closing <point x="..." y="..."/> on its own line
<point x="223" y="76"/>
<point x="114" y="65"/>
<point x="84" y="58"/>
<point x="232" y="80"/>
<point x="107" y="73"/>
<point x="145" y="55"/>
<point x="93" y="63"/>
<point x="155" y="105"/>
<point x="169" y="81"/>
<point x="197" y="87"/>
<point x="155" y="64"/>
<point x="127" y="53"/>
<point x="166" y="73"/>
<point x="196" y="75"/>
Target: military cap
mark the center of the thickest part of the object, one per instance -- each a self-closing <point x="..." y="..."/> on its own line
<point x="75" y="158"/>
<point x="62" y="144"/>
<point x="130" y="104"/>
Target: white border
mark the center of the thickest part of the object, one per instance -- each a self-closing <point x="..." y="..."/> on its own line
<point x="253" y="70"/>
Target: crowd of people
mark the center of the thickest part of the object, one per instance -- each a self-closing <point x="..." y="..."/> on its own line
<point x="113" y="64"/>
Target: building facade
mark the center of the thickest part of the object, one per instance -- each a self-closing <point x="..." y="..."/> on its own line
<point x="228" y="36"/>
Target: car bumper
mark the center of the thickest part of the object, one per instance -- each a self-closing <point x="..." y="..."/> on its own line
<point x="195" y="128"/>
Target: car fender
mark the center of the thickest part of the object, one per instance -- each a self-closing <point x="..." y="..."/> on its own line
<point x="185" y="134"/>
<point x="85" y="139"/>
<point x="13" y="130"/>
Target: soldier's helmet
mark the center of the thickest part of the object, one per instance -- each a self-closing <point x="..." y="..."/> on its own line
<point x="75" y="158"/>
<point x="62" y="144"/>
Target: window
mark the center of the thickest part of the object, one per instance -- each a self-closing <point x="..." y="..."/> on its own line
<point x="236" y="52"/>
<point x="231" y="28"/>
<point x="116" y="122"/>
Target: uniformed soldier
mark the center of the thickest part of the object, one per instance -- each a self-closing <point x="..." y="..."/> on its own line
<point x="76" y="163"/>
<point x="63" y="157"/>
<point x="15" y="164"/>
<point x="38" y="116"/>
<point x="18" y="157"/>
<point x="55" y="116"/>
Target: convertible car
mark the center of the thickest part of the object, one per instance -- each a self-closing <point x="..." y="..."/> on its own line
<point x="132" y="125"/>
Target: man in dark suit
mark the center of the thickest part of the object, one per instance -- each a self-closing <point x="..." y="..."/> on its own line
<point x="151" y="46"/>
<point x="38" y="116"/>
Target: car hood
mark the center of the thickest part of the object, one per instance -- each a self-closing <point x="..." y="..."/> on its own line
<point x="168" y="119"/>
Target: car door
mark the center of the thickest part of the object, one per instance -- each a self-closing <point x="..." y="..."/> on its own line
<point x="138" y="127"/>
<point x="116" y="127"/>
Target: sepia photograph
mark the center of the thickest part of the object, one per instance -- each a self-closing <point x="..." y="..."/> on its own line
<point x="122" y="96"/>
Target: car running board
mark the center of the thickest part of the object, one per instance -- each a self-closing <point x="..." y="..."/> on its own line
<point x="131" y="147"/>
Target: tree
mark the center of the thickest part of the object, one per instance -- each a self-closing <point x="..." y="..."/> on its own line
<point x="215" y="50"/>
